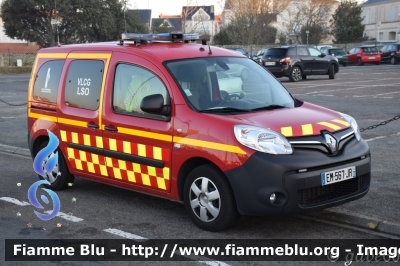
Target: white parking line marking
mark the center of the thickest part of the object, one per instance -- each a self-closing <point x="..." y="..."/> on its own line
<point x="214" y="263"/>
<point x="375" y="95"/>
<point x="11" y="117"/>
<point x="67" y="217"/>
<point x="122" y="233"/>
<point x="380" y="137"/>
<point x="350" y="82"/>
<point x="15" y="201"/>
<point x="356" y="88"/>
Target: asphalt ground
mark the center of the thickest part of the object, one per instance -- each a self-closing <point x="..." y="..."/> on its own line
<point x="371" y="94"/>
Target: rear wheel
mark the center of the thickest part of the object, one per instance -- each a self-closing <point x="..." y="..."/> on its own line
<point x="295" y="74"/>
<point x="331" y="72"/>
<point x="59" y="177"/>
<point x="393" y="61"/>
<point x="377" y="63"/>
<point x="344" y="64"/>
<point x="209" y="199"/>
<point x="359" y="62"/>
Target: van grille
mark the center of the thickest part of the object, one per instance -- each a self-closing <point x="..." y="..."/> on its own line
<point x="314" y="195"/>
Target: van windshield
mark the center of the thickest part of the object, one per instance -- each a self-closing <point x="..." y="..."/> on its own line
<point x="228" y="83"/>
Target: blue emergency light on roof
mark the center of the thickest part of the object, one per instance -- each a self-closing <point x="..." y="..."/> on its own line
<point x="167" y="37"/>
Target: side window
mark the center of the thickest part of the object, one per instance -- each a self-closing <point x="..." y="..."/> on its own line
<point x="302" y="51"/>
<point x="352" y="50"/>
<point x="314" y="52"/>
<point x="83" y="86"/>
<point x="131" y="85"/>
<point x="47" y="81"/>
<point x="291" y="52"/>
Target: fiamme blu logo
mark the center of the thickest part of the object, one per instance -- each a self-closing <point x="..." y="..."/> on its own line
<point x="46" y="161"/>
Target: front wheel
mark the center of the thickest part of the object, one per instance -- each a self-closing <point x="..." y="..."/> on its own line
<point x="59" y="177"/>
<point x="393" y="61"/>
<point x="209" y="199"/>
<point x="359" y="62"/>
<point x="295" y="74"/>
<point x="331" y="72"/>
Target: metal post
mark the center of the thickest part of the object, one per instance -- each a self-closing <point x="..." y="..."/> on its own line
<point x="307" y="32"/>
<point x="58" y="37"/>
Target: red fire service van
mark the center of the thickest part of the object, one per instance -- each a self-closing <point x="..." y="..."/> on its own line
<point x="162" y="115"/>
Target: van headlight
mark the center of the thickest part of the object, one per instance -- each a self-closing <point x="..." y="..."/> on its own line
<point x="353" y="125"/>
<point x="261" y="139"/>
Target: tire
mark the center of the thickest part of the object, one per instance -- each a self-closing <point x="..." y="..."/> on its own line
<point x="377" y="63"/>
<point x="295" y="74"/>
<point x="304" y="77"/>
<point x="245" y="74"/>
<point x="211" y="215"/>
<point x="331" y="72"/>
<point x="344" y="64"/>
<point x="58" y="182"/>
<point x="393" y="61"/>
<point x="359" y="62"/>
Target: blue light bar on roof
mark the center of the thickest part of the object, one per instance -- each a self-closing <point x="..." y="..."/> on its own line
<point x="173" y="36"/>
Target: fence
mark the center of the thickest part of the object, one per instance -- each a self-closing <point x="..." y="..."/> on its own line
<point x="17" y="54"/>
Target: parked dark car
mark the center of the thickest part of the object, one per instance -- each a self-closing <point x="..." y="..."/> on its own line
<point x="299" y="61"/>
<point x="237" y="49"/>
<point x="337" y="52"/>
<point x="391" y="53"/>
<point x="259" y="54"/>
<point x="364" y="54"/>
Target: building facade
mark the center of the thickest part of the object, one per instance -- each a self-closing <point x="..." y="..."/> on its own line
<point x="382" y="20"/>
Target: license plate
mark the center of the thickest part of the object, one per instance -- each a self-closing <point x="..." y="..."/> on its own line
<point x="339" y="175"/>
<point x="339" y="56"/>
<point x="269" y="63"/>
<point x="371" y="57"/>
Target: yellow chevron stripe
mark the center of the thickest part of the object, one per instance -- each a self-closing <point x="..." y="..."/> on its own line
<point x="209" y="145"/>
<point x="345" y="123"/>
<point x="287" y="131"/>
<point x="326" y="124"/>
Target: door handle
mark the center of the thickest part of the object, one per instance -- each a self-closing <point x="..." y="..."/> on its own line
<point x="92" y="125"/>
<point x="112" y="129"/>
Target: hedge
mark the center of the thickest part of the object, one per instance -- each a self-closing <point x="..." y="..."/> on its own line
<point x="15" y="70"/>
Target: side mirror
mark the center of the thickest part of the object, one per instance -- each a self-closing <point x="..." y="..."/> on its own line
<point x="323" y="55"/>
<point x="348" y="52"/>
<point x="154" y="104"/>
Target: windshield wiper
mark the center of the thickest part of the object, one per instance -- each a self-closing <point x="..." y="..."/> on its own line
<point x="269" y="107"/>
<point x="223" y="109"/>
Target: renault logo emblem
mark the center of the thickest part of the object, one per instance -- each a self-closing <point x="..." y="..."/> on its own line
<point x="331" y="142"/>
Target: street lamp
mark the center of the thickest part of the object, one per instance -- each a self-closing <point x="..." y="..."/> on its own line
<point x="378" y="24"/>
<point x="307" y="32"/>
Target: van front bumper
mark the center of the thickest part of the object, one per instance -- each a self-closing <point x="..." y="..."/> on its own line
<point x="299" y="191"/>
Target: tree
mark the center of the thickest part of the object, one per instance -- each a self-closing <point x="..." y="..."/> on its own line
<point x="307" y="14"/>
<point x="251" y="19"/>
<point x="347" y="22"/>
<point x="76" y="21"/>
<point x="222" y="38"/>
<point x="315" y="35"/>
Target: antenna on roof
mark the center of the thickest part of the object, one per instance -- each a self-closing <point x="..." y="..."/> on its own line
<point x="204" y="29"/>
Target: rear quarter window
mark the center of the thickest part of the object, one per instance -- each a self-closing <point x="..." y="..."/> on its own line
<point x="82" y="89"/>
<point x="278" y="52"/>
<point x="47" y="81"/>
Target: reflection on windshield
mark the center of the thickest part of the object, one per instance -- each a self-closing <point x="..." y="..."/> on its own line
<point x="235" y="83"/>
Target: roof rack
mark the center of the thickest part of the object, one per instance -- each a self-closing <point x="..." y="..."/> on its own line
<point x="138" y="38"/>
